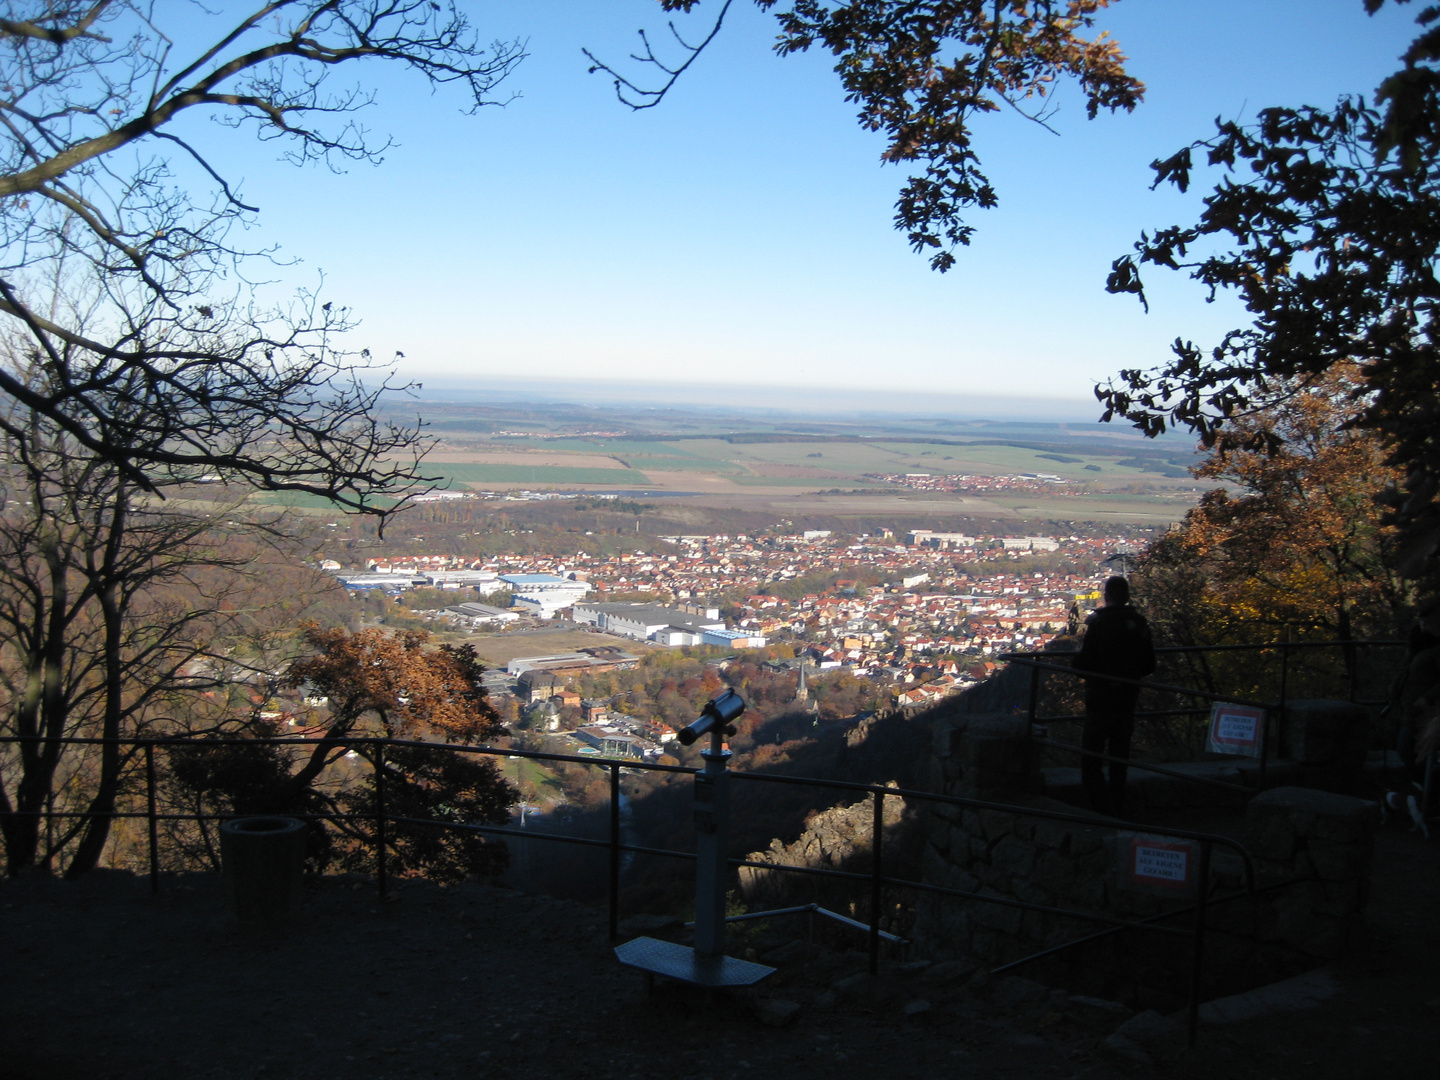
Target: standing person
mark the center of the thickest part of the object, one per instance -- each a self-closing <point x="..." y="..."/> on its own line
<point x="1117" y="642"/>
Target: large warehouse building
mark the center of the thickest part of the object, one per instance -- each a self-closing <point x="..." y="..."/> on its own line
<point x="647" y="622"/>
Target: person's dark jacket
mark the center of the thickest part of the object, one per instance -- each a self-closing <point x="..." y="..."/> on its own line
<point x="1117" y="641"/>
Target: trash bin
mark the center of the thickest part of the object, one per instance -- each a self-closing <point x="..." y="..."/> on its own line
<point x="263" y="859"/>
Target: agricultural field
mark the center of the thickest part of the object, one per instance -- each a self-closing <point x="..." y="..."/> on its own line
<point x="791" y="467"/>
<point x="490" y="474"/>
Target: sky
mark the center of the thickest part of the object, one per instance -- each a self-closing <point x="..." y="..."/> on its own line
<point x="737" y="239"/>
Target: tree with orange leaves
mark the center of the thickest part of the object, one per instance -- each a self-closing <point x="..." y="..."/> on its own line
<point x="362" y="687"/>
<point x="378" y="684"/>
<point x="1293" y="546"/>
<point x="1294" y="537"/>
<point x="391" y="684"/>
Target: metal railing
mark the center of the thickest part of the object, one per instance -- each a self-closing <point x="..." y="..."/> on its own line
<point x="1038" y="668"/>
<point x="877" y="881"/>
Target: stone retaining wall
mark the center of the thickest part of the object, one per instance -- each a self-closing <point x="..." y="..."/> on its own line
<point x="1292" y="833"/>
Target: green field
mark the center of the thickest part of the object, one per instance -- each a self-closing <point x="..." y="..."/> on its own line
<point x="522" y="771"/>
<point x="722" y="457"/>
<point x="299" y="500"/>
<point x="822" y="483"/>
<point x="842" y="457"/>
<point x="982" y="458"/>
<point x="989" y="459"/>
<point x="604" y="446"/>
<point x="682" y="464"/>
<point x="536" y="474"/>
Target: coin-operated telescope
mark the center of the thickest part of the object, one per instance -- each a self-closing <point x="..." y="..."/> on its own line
<point x="715" y="720"/>
<point x="706" y="964"/>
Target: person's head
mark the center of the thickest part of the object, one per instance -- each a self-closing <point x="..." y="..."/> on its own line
<point x="1117" y="592"/>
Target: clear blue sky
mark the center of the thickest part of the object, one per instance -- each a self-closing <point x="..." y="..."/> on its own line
<point x="740" y="233"/>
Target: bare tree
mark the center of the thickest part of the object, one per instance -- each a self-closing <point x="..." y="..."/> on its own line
<point x="119" y="613"/>
<point x="138" y="362"/>
<point x="95" y="103"/>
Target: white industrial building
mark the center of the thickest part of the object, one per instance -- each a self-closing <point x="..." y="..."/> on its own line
<point x="942" y="540"/>
<point x="485" y="580"/>
<point x="647" y="622"/>
<point x="543" y="594"/>
<point x="474" y="615"/>
<point x="384" y="582"/>
<point x="733" y="639"/>
<point x="1029" y="543"/>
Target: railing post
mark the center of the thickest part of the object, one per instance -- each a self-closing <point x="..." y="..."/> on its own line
<point x="1285" y="669"/>
<point x="49" y="830"/>
<point x="614" y="851"/>
<point x="150" y="814"/>
<point x="877" y="841"/>
<point x="1284" y="699"/>
<point x="1202" y="896"/>
<point x="380" y="838"/>
<point x="1030" y="712"/>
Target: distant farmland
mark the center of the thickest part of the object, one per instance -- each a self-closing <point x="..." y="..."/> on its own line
<point x="536" y="474"/>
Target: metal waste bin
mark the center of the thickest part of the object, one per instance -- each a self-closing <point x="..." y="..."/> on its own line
<point x="263" y="859"/>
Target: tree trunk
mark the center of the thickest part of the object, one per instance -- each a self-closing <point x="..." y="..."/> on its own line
<point x="40" y="721"/>
<point x="102" y="805"/>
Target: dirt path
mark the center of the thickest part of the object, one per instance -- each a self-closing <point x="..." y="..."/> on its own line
<point x="104" y="980"/>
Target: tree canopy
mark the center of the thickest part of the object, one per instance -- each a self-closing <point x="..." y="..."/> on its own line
<point x="392" y="685"/>
<point x="921" y="73"/>
<point x="356" y="689"/>
<point x="1293" y="543"/>
<point x="1324" y="223"/>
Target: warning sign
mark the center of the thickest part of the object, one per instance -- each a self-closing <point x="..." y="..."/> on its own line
<point x="1236" y="729"/>
<point x="1165" y="864"/>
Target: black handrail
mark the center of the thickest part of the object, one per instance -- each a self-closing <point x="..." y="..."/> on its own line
<point x="1121" y="680"/>
<point x="1140" y="766"/>
<point x="876" y="878"/>
<point x="1037" y="667"/>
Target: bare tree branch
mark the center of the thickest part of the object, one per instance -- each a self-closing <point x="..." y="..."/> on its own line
<point x="178" y="381"/>
<point x="921" y="73"/>
<point x="638" y="97"/>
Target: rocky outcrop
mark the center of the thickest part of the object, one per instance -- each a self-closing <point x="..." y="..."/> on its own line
<point x="835" y="839"/>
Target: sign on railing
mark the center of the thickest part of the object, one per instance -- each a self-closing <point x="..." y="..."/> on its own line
<point x="1152" y="862"/>
<point x="1236" y="729"/>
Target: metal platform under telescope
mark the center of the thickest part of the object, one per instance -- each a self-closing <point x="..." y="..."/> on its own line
<point x="655" y="957"/>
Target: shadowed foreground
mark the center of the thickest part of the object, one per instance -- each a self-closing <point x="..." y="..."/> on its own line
<point x="103" y="980"/>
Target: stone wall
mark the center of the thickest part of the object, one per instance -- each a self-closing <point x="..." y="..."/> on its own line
<point x="1292" y="833"/>
<point x="1328" y="743"/>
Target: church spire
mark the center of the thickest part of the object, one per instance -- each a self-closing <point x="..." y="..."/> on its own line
<point x="802" y="701"/>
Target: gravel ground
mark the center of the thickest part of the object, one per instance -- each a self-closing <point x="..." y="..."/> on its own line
<point x="102" y="980"/>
